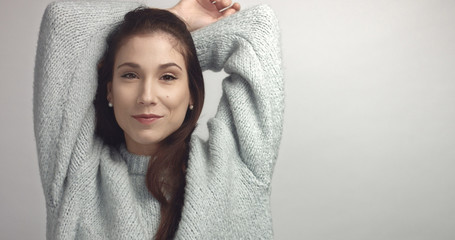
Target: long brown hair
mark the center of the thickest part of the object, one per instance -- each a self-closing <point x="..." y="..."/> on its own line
<point x="166" y="172"/>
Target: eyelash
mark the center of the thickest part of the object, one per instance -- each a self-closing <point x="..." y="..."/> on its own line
<point x="165" y="77"/>
<point x="129" y="75"/>
<point x="168" y="75"/>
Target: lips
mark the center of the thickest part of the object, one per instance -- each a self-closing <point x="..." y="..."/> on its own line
<point x="147" y="118"/>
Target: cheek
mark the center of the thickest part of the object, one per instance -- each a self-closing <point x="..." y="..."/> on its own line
<point x="124" y="98"/>
<point x="177" y="103"/>
<point x="178" y="99"/>
<point x="123" y="94"/>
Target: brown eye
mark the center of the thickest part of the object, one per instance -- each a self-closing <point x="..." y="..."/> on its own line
<point x="129" y="75"/>
<point x="168" y="77"/>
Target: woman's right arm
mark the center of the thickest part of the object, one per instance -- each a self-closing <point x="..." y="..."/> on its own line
<point x="71" y="40"/>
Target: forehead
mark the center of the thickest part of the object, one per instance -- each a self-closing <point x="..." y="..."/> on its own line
<point x="157" y="47"/>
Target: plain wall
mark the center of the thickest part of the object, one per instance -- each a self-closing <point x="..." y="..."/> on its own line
<point x="368" y="150"/>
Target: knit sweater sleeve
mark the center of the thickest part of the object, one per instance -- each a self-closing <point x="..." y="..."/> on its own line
<point x="247" y="46"/>
<point x="71" y="40"/>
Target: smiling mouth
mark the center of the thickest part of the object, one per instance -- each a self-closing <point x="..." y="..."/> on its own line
<point x="147" y="119"/>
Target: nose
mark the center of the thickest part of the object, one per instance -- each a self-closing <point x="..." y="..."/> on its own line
<point x="147" y="93"/>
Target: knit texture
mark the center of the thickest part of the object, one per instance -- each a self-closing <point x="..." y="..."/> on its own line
<point x="93" y="191"/>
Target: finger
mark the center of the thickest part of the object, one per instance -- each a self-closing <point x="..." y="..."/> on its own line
<point x="228" y="12"/>
<point x="222" y="4"/>
<point x="236" y="6"/>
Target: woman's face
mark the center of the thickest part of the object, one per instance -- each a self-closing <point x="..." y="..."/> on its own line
<point x="149" y="90"/>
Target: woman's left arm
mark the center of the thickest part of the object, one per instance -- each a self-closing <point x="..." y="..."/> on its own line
<point x="247" y="46"/>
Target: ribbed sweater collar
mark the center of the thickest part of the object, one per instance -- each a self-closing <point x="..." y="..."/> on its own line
<point x="137" y="164"/>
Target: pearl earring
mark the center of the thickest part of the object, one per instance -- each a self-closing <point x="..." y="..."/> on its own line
<point x="191" y="106"/>
<point x="110" y="104"/>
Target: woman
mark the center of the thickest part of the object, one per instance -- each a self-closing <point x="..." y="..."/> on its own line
<point x="127" y="166"/>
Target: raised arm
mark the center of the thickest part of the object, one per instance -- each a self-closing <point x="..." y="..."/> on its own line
<point x="247" y="46"/>
<point x="70" y="43"/>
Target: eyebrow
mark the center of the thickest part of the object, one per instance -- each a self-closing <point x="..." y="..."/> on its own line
<point x="162" y="66"/>
<point x="133" y="65"/>
<point x="166" y="65"/>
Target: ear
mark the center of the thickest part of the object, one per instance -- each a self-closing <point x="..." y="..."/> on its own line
<point x="109" y="92"/>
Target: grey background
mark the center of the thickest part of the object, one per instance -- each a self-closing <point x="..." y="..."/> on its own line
<point x="368" y="148"/>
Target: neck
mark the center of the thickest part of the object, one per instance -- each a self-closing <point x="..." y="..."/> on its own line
<point x="139" y="149"/>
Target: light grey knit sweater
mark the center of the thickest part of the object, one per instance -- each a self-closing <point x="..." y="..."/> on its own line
<point x="95" y="192"/>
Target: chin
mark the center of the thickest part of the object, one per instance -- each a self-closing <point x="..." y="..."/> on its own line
<point x="147" y="140"/>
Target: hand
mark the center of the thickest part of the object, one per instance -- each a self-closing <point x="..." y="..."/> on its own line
<point x="200" y="13"/>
